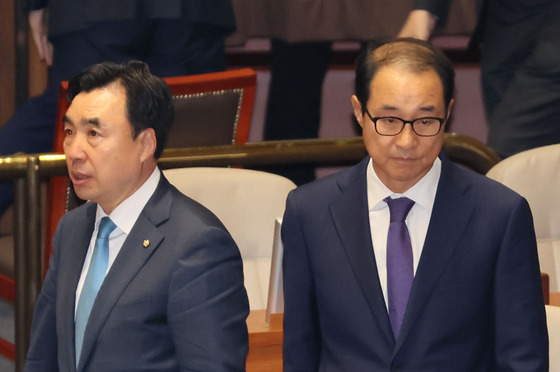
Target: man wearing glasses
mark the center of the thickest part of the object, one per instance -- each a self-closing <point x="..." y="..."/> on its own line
<point x="407" y="261"/>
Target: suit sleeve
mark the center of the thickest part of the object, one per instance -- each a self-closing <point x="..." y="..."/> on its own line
<point x="36" y="4"/>
<point x="302" y="345"/>
<point x="42" y="355"/>
<point x="208" y="306"/>
<point x="521" y="337"/>
<point x="439" y="8"/>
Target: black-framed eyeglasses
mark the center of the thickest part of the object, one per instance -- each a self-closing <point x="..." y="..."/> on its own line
<point x="392" y="125"/>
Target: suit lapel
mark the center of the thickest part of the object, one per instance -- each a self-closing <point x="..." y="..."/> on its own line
<point x="351" y="219"/>
<point x="129" y="261"/>
<point x="450" y="215"/>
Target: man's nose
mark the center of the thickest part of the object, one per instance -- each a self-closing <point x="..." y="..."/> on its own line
<point x="407" y="138"/>
<point x="74" y="147"/>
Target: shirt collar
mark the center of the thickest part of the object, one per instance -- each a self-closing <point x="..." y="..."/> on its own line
<point x="127" y="212"/>
<point x="422" y="193"/>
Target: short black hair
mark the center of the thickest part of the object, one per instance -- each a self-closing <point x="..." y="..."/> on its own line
<point x="410" y="54"/>
<point x="149" y="102"/>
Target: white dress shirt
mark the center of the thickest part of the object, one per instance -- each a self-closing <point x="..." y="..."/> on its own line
<point x="423" y="194"/>
<point x="124" y="216"/>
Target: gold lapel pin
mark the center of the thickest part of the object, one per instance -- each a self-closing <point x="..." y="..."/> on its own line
<point x="146" y="243"/>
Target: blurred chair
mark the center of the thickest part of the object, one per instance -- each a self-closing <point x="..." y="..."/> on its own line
<point x="535" y="174"/>
<point x="248" y="202"/>
<point x="210" y="109"/>
<point x="469" y="152"/>
<point x="553" y="321"/>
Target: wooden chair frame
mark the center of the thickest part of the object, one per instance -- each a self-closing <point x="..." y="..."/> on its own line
<point x="241" y="82"/>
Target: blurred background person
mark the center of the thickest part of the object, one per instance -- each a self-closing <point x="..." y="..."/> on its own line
<point x="520" y="67"/>
<point x="174" y="37"/>
<point x="301" y="46"/>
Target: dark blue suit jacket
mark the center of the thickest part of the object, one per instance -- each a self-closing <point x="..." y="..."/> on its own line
<point x="177" y="304"/>
<point x="72" y="15"/>
<point x="476" y="303"/>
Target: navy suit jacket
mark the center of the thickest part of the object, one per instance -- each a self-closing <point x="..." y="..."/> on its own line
<point x="177" y="304"/>
<point x="476" y="302"/>
<point x="72" y="15"/>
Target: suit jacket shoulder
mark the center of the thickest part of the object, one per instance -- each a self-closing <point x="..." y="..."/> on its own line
<point x="322" y="191"/>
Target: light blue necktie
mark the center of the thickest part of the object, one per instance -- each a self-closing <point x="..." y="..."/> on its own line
<point x="400" y="271"/>
<point x="94" y="279"/>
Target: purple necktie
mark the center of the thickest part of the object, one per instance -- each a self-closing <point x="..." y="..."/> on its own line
<point x="399" y="261"/>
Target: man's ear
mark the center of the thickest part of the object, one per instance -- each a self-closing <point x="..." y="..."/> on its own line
<point x="357" y="108"/>
<point x="450" y="108"/>
<point x="148" y="141"/>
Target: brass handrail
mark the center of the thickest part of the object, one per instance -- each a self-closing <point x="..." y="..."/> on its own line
<point x="337" y="150"/>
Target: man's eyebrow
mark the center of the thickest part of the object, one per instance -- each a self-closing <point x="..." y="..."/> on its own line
<point x="92" y="121"/>
<point x="429" y="108"/>
<point x="388" y="108"/>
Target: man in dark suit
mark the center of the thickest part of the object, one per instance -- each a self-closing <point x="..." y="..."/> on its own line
<point x="173" y="295"/>
<point x="520" y="55"/>
<point x="174" y="37"/>
<point x="465" y="296"/>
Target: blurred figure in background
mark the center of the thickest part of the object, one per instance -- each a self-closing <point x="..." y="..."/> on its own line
<point x="520" y="68"/>
<point x="174" y="37"/>
<point x="303" y="33"/>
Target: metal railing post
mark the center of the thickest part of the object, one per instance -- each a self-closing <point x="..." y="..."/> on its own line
<point x="33" y="246"/>
<point x="27" y="254"/>
<point x="21" y="273"/>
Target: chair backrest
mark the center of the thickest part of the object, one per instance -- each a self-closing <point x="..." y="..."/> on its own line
<point x="469" y="152"/>
<point x="553" y="322"/>
<point x="535" y="174"/>
<point x="248" y="202"/>
<point x="210" y="109"/>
